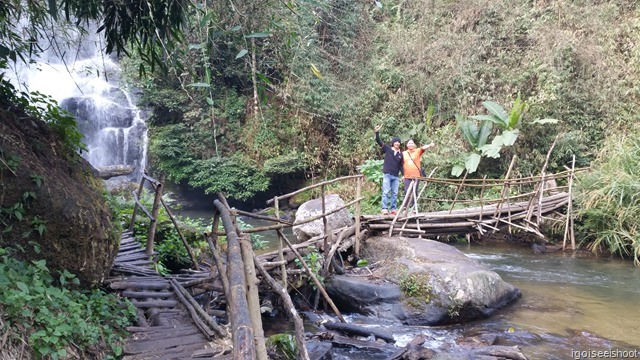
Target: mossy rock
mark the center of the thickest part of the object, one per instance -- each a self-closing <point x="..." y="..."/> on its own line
<point x="64" y="217"/>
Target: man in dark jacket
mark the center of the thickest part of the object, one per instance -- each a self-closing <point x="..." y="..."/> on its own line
<point x="390" y="169"/>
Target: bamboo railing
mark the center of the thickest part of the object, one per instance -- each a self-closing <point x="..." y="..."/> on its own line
<point x="537" y="197"/>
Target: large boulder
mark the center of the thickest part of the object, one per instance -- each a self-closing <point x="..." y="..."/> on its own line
<point x="422" y="282"/>
<point x="313" y="208"/>
<point x="58" y="210"/>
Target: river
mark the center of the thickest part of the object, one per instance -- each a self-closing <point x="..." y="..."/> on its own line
<point x="570" y="304"/>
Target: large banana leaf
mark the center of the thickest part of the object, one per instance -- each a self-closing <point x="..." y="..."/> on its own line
<point x="471" y="162"/>
<point x="457" y="170"/>
<point x="516" y="113"/>
<point x="491" y="150"/>
<point x="490" y="118"/>
<point x="498" y="111"/>
<point x="485" y="131"/>
<point x="509" y="137"/>
<point x="469" y="131"/>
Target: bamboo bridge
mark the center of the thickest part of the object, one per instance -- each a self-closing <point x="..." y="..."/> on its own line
<point x="167" y="305"/>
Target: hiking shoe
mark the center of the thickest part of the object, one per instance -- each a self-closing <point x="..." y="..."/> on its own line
<point x="393" y="212"/>
<point x="385" y="212"/>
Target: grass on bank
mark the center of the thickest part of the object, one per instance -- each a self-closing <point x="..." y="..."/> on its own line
<point x="609" y="199"/>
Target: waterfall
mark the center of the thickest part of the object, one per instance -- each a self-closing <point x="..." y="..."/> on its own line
<point x="87" y="83"/>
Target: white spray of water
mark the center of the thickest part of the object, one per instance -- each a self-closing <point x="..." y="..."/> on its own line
<point x="86" y="82"/>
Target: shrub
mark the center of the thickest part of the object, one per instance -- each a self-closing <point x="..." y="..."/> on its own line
<point x="57" y="321"/>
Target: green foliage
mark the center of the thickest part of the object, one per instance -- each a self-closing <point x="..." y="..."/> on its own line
<point x="608" y="202"/>
<point x="238" y="180"/>
<point x="416" y="285"/>
<point x="46" y="109"/>
<point x="284" y="344"/>
<point x="478" y="137"/>
<point x="19" y="210"/>
<point x="235" y="176"/>
<point x="372" y="170"/>
<point x="314" y="261"/>
<point x="55" y="319"/>
<point x="151" y="30"/>
<point x="285" y="164"/>
<point x="362" y="263"/>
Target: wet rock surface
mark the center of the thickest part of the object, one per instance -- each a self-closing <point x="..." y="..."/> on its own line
<point x="422" y="282"/>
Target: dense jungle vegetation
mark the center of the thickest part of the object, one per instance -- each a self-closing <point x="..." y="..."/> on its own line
<point x="263" y="92"/>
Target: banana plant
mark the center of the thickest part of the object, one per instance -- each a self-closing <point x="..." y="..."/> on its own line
<point x="507" y="122"/>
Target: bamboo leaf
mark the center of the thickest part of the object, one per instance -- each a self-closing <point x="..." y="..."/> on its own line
<point x="242" y="53"/>
<point x="258" y="35"/>
<point x="545" y="121"/>
<point x="199" y="84"/>
<point x="316" y="72"/>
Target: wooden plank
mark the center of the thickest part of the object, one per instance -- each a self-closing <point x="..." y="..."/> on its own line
<point x="131" y="251"/>
<point x="140" y="262"/>
<point x="132" y="257"/>
<point x="138" y="329"/>
<point x="147" y="346"/>
<point x="167" y="333"/>
<point x="154" y="303"/>
<point x="178" y="352"/>
<point x="147" y="294"/>
<point x="121" y="285"/>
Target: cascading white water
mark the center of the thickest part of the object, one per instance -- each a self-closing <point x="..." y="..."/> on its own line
<point x="87" y="83"/>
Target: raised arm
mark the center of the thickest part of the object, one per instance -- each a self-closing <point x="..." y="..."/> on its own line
<point x="377" y="130"/>
<point x="425" y="147"/>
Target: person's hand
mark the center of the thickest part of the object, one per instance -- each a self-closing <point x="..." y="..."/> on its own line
<point x="377" y="128"/>
<point x="432" y="145"/>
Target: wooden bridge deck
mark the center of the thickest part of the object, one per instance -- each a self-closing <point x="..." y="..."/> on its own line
<point x="169" y="326"/>
<point x="525" y="215"/>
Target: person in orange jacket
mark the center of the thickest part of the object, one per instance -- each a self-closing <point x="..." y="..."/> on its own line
<point x="411" y="165"/>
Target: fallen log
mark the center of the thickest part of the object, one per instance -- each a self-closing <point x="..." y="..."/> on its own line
<point x="352" y="329"/>
<point x="110" y="171"/>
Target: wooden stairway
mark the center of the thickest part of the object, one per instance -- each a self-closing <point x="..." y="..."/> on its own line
<point x="171" y="325"/>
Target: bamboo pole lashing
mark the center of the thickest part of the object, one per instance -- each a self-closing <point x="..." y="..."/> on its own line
<point x="506" y="189"/>
<point x="402" y="206"/>
<point x="458" y="191"/>
<point x="284" y="295"/>
<point x="184" y="241"/>
<point x="151" y="233"/>
<point x="313" y="278"/>
<point x="286" y="196"/>
<point x="136" y="198"/>
<point x="357" y="216"/>
<point x="283" y="267"/>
